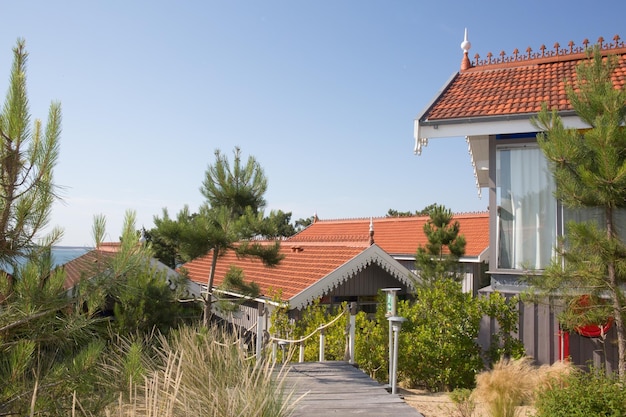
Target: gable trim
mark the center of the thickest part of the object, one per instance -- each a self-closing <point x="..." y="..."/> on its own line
<point x="372" y="255"/>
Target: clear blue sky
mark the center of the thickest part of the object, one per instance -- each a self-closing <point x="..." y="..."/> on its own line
<point x="323" y="93"/>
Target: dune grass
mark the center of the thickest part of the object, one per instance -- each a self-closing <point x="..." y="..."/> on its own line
<point x="513" y="383"/>
<point x="197" y="372"/>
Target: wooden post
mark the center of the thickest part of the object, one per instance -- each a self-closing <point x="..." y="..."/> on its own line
<point x="352" y="332"/>
<point x="301" y="357"/>
<point x="259" y="331"/>
<point x="322" y="342"/>
<point x="274" y="351"/>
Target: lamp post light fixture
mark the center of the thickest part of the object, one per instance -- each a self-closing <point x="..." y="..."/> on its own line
<point x="282" y="345"/>
<point x="396" y="325"/>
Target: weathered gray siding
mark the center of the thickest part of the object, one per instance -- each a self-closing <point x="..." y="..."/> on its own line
<point x="367" y="282"/>
<point x="539" y="331"/>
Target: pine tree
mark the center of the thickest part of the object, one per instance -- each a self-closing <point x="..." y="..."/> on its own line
<point x="28" y="155"/>
<point x="439" y="258"/>
<point x="230" y="219"/>
<point x="46" y="341"/>
<point x="589" y="168"/>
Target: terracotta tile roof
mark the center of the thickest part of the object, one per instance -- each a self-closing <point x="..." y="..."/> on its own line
<point x="328" y="245"/>
<point x="518" y="84"/>
<point x="303" y="266"/>
<point x="110" y="246"/>
<point x="395" y="235"/>
<point x="85" y="266"/>
<point x="96" y="261"/>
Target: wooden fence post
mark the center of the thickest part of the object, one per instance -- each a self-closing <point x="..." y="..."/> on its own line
<point x="322" y="343"/>
<point x="259" y="331"/>
<point x="352" y="332"/>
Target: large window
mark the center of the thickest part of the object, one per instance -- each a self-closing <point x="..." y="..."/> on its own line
<point x="526" y="232"/>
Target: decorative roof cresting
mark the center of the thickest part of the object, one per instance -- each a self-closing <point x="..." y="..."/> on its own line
<point x="543" y="53"/>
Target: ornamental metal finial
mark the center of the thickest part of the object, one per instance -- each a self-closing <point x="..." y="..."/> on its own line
<point x="465" y="46"/>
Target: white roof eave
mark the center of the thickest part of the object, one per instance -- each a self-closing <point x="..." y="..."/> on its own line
<point x="449" y="128"/>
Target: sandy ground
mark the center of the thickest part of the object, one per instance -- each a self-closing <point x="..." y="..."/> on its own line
<point x="439" y="405"/>
<point x="429" y="404"/>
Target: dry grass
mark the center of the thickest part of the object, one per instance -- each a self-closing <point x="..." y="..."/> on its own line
<point x="204" y="373"/>
<point x="513" y="383"/>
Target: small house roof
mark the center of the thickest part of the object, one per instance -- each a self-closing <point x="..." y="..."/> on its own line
<point x="397" y="236"/>
<point x="96" y="261"/>
<point x="307" y="272"/>
<point x="329" y="252"/>
<point x="500" y="94"/>
<point x="85" y="266"/>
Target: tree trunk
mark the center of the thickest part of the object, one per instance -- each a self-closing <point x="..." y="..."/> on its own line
<point x="616" y="301"/>
<point x="209" y="295"/>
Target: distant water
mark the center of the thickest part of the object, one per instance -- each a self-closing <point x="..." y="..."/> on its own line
<point x="60" y="256"/>
<point x="63" y="254"/>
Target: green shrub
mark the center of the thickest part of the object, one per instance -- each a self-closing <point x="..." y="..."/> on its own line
<point x="371" y="342"/>
<point x="312" y="318"/>
<point x="583" y="394"/>
<point x="504" y="343"/>
<point x="438" y="348"/>
<point x="315" y="316"/>
<point x="463" y="401"/>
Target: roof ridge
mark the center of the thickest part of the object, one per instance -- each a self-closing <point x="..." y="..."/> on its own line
<point x="572" y="52"/>
<point x="360" y="219"/>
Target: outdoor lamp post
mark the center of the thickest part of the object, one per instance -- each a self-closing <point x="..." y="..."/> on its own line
<point x="396" y="325"/>
<point x="391" y="302"/>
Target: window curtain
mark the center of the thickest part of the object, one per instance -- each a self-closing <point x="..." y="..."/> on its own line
<point x="526" y="209"/>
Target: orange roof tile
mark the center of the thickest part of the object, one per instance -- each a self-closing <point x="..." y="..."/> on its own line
<point x="395" y="235"/>
<point x="96" y="261"/>
<point x="85" y="266"/>
<point x="302" y="267"/>
<point x="518" y="84"/>
<point x="328" y="245"/>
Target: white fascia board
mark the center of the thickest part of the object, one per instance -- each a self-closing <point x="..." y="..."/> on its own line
<point x="248" y="298"/>
<point x="470" y="259"/>
<point x="425" y="130"/>
<point x="484" y="255"/>
<point x="371" y="255"/>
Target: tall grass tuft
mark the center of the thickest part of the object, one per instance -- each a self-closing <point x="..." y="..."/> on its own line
<point x="203" y="372"/>
<point x="508" y="385"/>
<point x="514" y="382"/>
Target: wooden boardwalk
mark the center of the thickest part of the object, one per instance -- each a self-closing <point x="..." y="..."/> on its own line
<point x="340" y="389"/>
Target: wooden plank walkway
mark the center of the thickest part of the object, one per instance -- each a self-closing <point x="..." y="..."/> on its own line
<point x="338" y="388"/>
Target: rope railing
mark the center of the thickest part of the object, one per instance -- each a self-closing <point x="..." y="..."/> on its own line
<point x="263" y="338"/>
<point x="349" y="353"/>
<point x="320" y="328"/>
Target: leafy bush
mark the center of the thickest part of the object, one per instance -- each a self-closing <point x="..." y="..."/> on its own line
<point x="311" y="319"/>
<point x="503" y="342"/>
<point x="438" y="348"/>
<point x="583" y="394"/>
<point x="372" y="339"/>
<point x="463" y="401"/>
